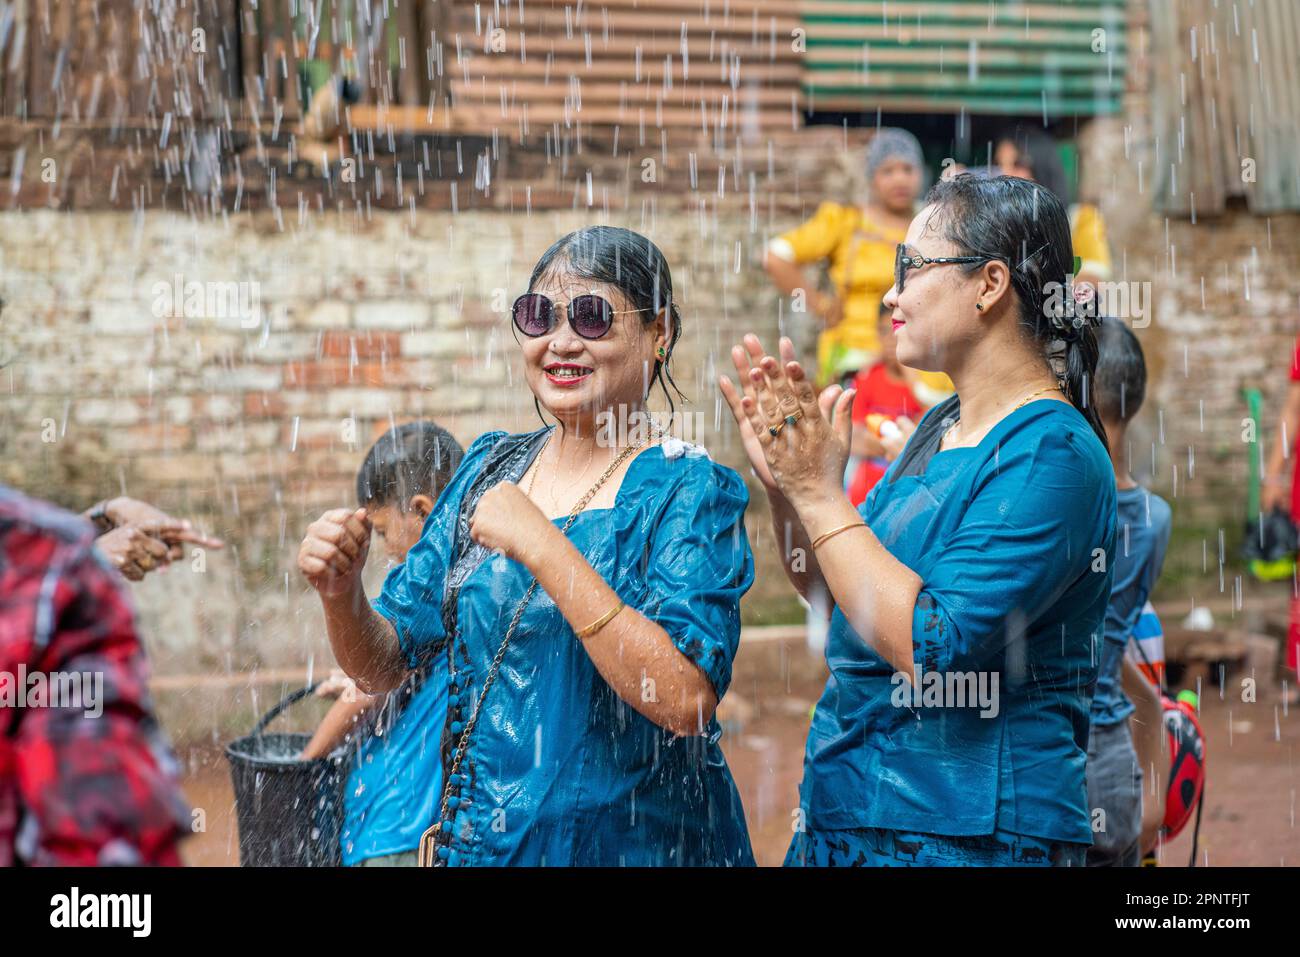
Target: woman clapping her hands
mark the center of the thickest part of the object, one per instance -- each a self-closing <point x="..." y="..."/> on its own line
<point x="970" y="587"/>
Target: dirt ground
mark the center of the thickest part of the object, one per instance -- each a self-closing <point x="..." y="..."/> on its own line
<point x="1249" y="816"/>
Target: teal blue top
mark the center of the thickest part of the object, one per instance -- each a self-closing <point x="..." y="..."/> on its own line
<point x="1013" y="541"/>
<point x="559" y="769"/>
<point x="396" y="779"/>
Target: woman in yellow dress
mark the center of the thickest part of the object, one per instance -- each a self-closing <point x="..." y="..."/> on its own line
<point x="857" y="244"/>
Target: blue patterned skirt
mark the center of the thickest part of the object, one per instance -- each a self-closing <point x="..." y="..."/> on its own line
<point x="880" y="847"/>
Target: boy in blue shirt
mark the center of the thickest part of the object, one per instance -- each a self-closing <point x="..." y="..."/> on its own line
<point x="396" y="779"/>
<point x="1123" y="824"/>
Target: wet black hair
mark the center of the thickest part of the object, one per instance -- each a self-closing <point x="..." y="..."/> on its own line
<point x="631" y="263"/>
<point x="418" y="458"/>
<point x="1121" y="381"/>
<point x="1023" y="224"/>
<point x="1038" y="152"/>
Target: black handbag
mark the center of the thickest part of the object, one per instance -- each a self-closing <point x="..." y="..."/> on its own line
<point x="1270" y="537"/>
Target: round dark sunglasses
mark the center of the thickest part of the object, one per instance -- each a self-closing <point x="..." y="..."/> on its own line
<point x="590" y="316"/>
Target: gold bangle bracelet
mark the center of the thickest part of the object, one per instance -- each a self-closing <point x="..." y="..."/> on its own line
<point x="600" y="622"/>
<point x="835" y="531"/>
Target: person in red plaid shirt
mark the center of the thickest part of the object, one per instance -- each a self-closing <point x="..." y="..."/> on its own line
<point x="92" y="782"/>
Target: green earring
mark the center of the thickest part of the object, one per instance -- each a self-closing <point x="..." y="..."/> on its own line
<point x="662" y="354"/>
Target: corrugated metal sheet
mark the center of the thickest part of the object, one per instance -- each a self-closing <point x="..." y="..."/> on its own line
<point x="1225" y="104"/>
<point x="949" y="55"/>
<point x="715" y="67"/>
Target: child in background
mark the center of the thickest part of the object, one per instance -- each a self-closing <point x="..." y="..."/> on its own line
<point x="1117" y="756"/>
<point x="1147" y="649"/>
<point x="389" y="797"/>
<point x="885" y="392"/>
<point x="1144" y="673"/>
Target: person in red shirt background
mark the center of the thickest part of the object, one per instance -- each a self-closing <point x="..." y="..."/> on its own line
<point x="1282" y="490"/>
<point x="91" y="782"/>
<point x="884" y="392"/>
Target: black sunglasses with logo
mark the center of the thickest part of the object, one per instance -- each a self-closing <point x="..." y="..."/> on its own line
<point x="905" y="259"/>
<point x="590" y="316"/>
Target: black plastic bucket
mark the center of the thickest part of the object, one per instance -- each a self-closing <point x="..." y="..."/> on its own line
<point x="290" y="811"/>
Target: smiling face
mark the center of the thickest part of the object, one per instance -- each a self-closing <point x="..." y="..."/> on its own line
<point x="575" y="378"/>
<point x="935" y="316"/>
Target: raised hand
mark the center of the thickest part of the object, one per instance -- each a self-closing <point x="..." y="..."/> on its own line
<point x="334" y="551"/>
<point x="134" y="551"/>
<point x="748" y="437"/>
<point x="806" y="456"/>
<point x="508" y="521"/>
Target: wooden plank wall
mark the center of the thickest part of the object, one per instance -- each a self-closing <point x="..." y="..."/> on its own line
<point x="103" y="61"/>
<point x="502" y="67"/>
<point x="141" y="58"/>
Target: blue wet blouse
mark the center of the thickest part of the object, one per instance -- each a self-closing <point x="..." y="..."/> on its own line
<point x="559" y="769"/>
<point x="390" y="794"/>
<point x="1012" y="540"/>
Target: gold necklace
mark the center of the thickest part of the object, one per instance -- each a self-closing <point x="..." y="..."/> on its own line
<point x="618" y="459"/>
<point x="1051" y="388"/>
<point x="533" y="480"/>
<point x="537" y="466"/>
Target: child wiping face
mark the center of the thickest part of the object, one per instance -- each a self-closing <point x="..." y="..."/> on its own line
<point x="399" y="524"/>
<point x="395" y="775"/>
<point x="400" y="480"/>
<point x="398" y="483"/>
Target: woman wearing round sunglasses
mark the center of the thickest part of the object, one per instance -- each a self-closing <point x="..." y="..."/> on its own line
<point x="581" y="595"/>
<point x="971" y="585"/>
